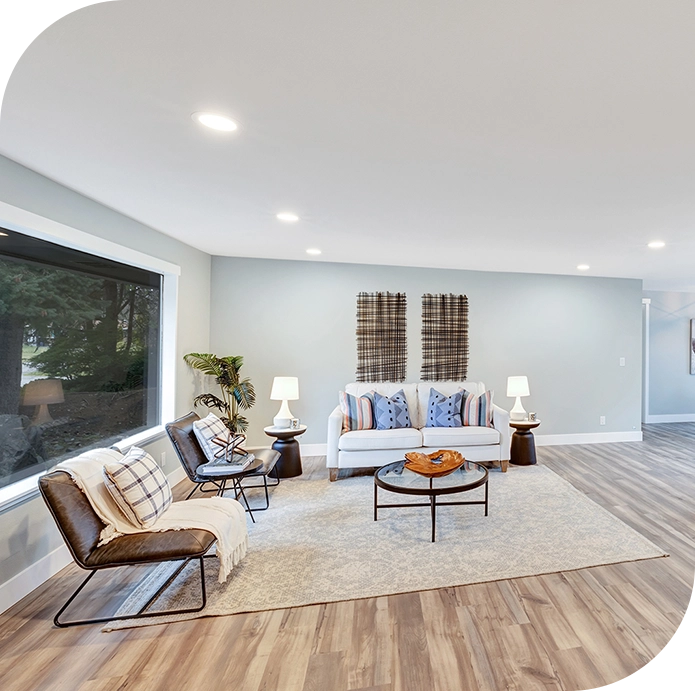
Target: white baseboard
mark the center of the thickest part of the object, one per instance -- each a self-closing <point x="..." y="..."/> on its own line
<point x="678" y="417"/>
<point x="175" y="476"/>
<point x="313" y="449"/>
<point x="587" y="438"/>
<point x="33" y="576"/>
<point x="541" y="440"/>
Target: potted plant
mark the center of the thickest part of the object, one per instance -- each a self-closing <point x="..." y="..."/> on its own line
<point x="237" y="394"/>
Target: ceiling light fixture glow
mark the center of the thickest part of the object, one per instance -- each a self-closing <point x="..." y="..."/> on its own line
<point x="656" y="244"/>
<point x="583" y="267"/>
<point x="215" y="122"/>
<point x="287" y="217"/>
<point x="3" y="234"/>
<point x="314" y="251"/>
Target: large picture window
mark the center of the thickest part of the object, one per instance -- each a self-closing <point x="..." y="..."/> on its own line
<point x="79" y="353"/>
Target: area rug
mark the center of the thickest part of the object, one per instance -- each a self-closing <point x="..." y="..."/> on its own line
<point x="318" y="543"/>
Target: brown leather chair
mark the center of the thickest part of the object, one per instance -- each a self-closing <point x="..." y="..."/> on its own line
<point x="80" y="527"/>
<point x="191" y="456"/>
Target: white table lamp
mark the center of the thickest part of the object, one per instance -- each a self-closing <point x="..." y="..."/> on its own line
<point x="40" y="393"/>
<point x="517" y="386"/>
<point x="284" y="389"/>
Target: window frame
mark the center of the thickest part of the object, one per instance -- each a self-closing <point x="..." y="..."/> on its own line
<point x="37" y="226"/>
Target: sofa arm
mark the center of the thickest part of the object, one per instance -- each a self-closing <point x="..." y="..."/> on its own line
<point x="500" y="421"/>
<point x="335" y="427"/>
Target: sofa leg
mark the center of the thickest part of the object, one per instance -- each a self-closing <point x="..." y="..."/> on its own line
<point x="333" y="474"/>
<point x="504" y="465"/>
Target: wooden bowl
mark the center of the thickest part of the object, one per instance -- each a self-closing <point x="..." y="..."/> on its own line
<point x="437" y="464"/>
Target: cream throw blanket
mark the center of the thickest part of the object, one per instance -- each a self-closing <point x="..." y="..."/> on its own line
<point x="224" y="518"/>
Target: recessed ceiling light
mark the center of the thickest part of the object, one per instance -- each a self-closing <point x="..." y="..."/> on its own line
<point x="215" y="122"/>
<point x="583" y="267"/>
<point x="314" y="251"/>
<point x="656" y="244"/>
<point x="287" y="216"/>
<point x="3" y="234"/>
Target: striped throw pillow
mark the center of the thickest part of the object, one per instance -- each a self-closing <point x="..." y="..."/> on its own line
<point x="139" y="487"/>
<point x="477" y="410"/>
<point x="358" y="413"/>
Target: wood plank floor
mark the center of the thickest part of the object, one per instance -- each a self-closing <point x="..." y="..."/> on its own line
<point x="573" y="630"/>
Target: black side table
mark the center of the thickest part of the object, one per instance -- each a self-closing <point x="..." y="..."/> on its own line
<point x="523" y="444"/>
<point x="290" y="462"/>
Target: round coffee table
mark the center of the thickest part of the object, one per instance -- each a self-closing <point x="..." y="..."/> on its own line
<point x="290" y="462"/>
<point x="395" y="477"/>
<point x="523" y="451"/>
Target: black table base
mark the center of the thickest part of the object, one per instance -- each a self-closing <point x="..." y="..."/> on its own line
<point x="290" y="461"/>
<point x="523" y="451"/>
<point x="433" y="504"/>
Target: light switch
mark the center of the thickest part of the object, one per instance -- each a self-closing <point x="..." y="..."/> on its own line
<point x="622" y="362"/>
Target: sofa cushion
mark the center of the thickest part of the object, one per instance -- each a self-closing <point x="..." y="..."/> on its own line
<point x="358" y="411"/>
<point x="477" y="410"/>
<point x="372" y="439"/>
<point x="444" y="411"/>
<point x="386" y="388"/>
<point x="391" y="412"/>
<point x="453" y="437"/>
<point x="446" y="388"/>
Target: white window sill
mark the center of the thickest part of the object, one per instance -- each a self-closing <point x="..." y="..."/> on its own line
<point x="28" y="488"/>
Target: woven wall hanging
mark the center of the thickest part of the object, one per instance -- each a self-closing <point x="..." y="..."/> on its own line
<point x="381" y="338"/>
<point x="444" y="337"/>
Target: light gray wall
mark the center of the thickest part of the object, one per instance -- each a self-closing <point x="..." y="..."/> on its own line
<point x="27" y="533"/>
<point x="567" y="334"/>
<point x="671" y="386"/>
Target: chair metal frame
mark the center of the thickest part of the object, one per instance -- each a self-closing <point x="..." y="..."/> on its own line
<point x="141" y="613"/>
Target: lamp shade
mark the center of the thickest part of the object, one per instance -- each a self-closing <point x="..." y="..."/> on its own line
<point x="43" y="391"/>
<point x="285" y="389"/>
<point x="517" y="386"/>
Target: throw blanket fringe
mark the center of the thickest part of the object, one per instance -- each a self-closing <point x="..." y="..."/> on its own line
<point x="224" y="518"/>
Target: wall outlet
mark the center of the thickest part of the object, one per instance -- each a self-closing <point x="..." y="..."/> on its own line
<point x="162" y="459"/>
<point x="602" y="420"/>
<point x="622" y="362"/>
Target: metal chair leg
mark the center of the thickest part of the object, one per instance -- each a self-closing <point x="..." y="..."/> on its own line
<point x="141" y="613"/>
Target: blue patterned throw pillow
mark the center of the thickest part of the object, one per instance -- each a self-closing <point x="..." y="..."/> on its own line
<point x="391" y="413"/>
<point x="443" y="411"/>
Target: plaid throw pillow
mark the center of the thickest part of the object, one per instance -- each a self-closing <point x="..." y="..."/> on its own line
<point x="208" y="430"/>
<point x="139" y="487"/>
<point x="477" y="410"/>
<point x="357" y="412"/>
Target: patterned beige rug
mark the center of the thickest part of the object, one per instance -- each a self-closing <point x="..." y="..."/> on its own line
<point x="318" y="543"/>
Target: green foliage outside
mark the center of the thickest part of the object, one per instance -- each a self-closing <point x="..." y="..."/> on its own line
<point x="91" y="332"/>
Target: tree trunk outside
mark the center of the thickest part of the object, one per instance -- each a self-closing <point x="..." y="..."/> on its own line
<point x="11" y="339"/>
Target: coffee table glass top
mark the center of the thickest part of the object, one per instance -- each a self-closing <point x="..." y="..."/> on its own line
<point x="397" y="478"/>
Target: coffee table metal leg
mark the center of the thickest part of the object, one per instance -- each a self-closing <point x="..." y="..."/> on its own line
<point x="375" y="509"/>
<point x="433" y="505"/>
<point x="486" y="485"/>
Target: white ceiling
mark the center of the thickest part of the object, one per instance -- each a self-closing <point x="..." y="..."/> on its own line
<point x="482" y="134"/>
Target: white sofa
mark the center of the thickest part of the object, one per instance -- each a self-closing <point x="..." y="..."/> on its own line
<point x="372" y="447"/>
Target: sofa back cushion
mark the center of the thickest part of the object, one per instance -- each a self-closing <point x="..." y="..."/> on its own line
<point x="447" y="388"/>
<point x="386" y="388"/>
